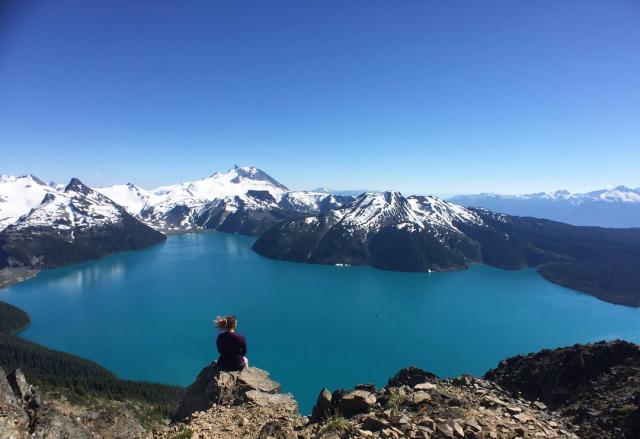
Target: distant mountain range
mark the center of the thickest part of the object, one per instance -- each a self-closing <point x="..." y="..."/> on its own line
<point x="45" y="225"/>
<point x="348" y="193"/>
<point x="618" y="207"/>
<point x="243" y="199"/>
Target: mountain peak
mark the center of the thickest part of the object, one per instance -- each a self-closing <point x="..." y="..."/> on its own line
<point x="75" y="185"/>
<point x="387" y="196"/>
<point x="255" y="174"/>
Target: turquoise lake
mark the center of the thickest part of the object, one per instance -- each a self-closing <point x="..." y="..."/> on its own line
<point x="148" y="315"/>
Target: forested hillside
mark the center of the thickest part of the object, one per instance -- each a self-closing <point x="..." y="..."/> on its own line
<point x="80" y="379"/>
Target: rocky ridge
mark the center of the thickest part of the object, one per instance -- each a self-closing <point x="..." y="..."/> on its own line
<point x="414" y="404"/>
<point x="24" y="414"/>
<point x="596" y="387"/>
<point x="583" y="391"/>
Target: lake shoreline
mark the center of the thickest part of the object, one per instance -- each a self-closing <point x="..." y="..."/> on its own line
<point x="457" y="322"/>
<point x="12" y="276"/>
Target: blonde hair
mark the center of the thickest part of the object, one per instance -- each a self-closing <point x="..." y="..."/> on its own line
<point x="226" y="323"/>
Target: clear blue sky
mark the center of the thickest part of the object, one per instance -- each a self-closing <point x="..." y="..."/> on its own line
<point x="421" y="96"/>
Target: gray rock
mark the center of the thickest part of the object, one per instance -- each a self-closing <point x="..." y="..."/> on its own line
<point x="213" y="386"/>
<point x="6" y="392"/>
<point x="323" y="406"/>
<point x="420" y="397"/>
<point x="51" y="424"/>
<point x="372" y="423"/>
<point x="23" y="391"/>
<point x="368" y="387"/>
<point x="277" y="430"/>
<point x="410" y="376"/>
<point x="424" y="386"/>
<point x="258" y="379"/>
<point x="115" y="422"/>
<point x="263" y="399"/>
<point x="18" y="384"/>
<point x="357" y="401"/>
<point x="540" y="405"/>
<point x="14" y="421"/>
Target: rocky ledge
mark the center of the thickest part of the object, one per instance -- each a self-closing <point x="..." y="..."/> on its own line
<point x="24" y="414"/>
<point x="414" y="404"/>
<point x="583" y="391"/>
<point x="215" y="388"/>
<point x="596" y="387"/>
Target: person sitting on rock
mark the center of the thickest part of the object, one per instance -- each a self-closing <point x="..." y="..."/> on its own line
<point x="231" y="345"/>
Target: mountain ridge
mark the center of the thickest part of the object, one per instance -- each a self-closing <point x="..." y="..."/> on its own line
<point x="424" y="234"/>
<point x="74" y="225"/>
<point x="383" y="229"/>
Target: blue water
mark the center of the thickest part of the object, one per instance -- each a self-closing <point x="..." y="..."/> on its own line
<point x="148" y="315"/>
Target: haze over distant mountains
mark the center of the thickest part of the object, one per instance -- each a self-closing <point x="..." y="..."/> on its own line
<point x="618" y="207"/>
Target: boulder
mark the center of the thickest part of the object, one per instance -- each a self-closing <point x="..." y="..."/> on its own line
<point x="371" y="423"/>
<point x="18" y="384"/>
<point x="420" y="397"/>
<point x="410" y="376"/>
<point x="22" y="413"/>
<point x="23" y="391"/>
<point x="322" y="409"/>
<point x="368" y="387"/>
<point x="425" y="386"/>
<point x="357" y="401"/>
<point x="214" y="386"/>
<point x="6" y="392"/>
<point x="14" y="421"/>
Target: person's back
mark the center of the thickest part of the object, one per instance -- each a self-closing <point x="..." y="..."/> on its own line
<point x="231" y="345"/>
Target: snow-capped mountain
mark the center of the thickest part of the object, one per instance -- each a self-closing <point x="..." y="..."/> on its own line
<point x="70" y="226"/>
<point x="382" y="229"/>
<point x="129" y="196"/>
<point x="388" y="231"/>
<point x="618" y="207"/>
<point x="243" y="199"/>
<point x="312" y="201"/>
<point x="18" y="195"/>
<point x="342" y="192"/>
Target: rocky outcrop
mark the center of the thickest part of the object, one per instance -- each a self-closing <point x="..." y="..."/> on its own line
<point x="214" y="387"/>
<point x="221" y="405"/>
<point x="586" y="391"/>
<point x="595" y="386"/>
<point x="416" y="404"/>
<point x="23" y="414"/>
